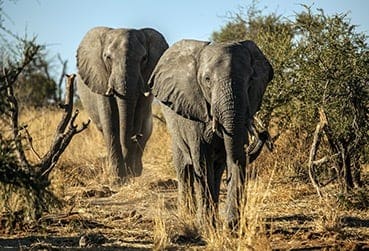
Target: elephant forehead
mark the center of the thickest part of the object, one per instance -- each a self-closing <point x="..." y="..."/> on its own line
<point x="217" y="54"/>
<point x="125" y="40"/>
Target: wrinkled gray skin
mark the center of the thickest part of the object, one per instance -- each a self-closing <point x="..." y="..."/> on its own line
<point x="210" y="93"/>
<point x="114" y="66"/>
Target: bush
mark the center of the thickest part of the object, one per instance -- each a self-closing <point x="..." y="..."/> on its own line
<point x="320" y="63"/>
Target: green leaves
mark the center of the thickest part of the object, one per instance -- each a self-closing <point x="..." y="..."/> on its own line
<point x="319" y="61"/>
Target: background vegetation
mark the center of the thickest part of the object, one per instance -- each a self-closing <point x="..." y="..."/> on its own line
<point x="320" y="63"/>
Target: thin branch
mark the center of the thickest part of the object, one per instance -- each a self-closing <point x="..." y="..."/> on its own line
<point x="64" y="64"/>
<point x="30" y="141"/>
<point x="14" y="116"/>
<point x="321" y="161"/>
<point x="324" y="160"/>
<point x="314" y="149"/>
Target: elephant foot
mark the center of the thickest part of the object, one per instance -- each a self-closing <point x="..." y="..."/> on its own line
<point x="232" y="226"/>
<point x="132" y="168"/>
<point x="232" y="221"/>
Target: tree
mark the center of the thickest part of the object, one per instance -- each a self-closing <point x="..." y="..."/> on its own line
<point x="320" y="64"/>
<point x="36" y="86"/>
<point x="17" y="174"/>
<point x="332" y="69"/>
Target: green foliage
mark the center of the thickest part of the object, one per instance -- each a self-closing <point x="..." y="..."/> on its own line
<point x="320" y="62"/>
<point x="34" y="86"/>
<point x="35" y="89"/>
<point x="233" y="31"/>
<point x="332" y="71"/>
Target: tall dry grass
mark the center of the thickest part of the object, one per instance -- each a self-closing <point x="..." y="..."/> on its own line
<point x="274" y="198"/>
<point x="83" y="166"/>
<point x="84" y="160"/>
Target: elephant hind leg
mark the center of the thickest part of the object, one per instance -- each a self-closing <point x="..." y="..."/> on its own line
<point x="185" y="175"/>
<point x="186" y="190"/>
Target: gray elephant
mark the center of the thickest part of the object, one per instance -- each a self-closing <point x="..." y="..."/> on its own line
<point x="114" y="66"/>
<point x="210" y="93"/>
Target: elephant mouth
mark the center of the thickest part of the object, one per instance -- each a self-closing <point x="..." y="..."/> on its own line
<point x="122" y="92"/>
<point x="259" y="136"/>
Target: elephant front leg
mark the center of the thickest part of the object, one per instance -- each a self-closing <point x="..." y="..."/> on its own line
<point x="108" y="115"/>
<point x="206" y="186"/>
<point x="235" y="195"/>
<point x="115" y="158"/>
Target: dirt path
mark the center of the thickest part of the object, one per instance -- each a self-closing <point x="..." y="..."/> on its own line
<point x="127" y="218"/>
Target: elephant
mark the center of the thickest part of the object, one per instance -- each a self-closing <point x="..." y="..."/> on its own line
<point x="210" y="93"/>
<point x="114" y="66"/>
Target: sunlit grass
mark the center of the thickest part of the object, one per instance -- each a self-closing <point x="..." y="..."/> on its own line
<point x="276" y="200"/>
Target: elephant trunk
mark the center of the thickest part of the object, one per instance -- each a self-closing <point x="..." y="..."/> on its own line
<point x="232" y="116"/>
<point x="126" y="86"/>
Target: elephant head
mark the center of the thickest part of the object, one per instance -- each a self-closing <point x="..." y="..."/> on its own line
<point x="114" y="66"/>
<point x="119" y="61"/>
<point x="221" y="85"/>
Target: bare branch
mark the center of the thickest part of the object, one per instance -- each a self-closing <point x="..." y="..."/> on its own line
<point x="325" y="159"/>
<point x="321" y="161"/>
<point x="63" y="134"/>
<point x="84" y="126"/>
<point x="30" y="141"/>
<point x="14" y="114"/>
<point x="68" y="104"/>
<point x="314" y="149"/>
<point x="64" y="64"/>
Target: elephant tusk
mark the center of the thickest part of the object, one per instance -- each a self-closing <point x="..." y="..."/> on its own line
<point x="110" y="91"/>
<point x="146" y="94"/>
<point x="214" y="124"/>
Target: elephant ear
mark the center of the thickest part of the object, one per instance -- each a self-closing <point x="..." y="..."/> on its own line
<point x="262" y="75"/>
<point x="155" y="46"/>
<point x="90" y="64"/>
<point x="174" y="80"/>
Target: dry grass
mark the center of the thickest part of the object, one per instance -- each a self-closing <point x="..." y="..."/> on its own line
<point x="281" y="211"/>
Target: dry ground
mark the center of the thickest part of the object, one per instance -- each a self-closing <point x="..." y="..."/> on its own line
<point x="282" y="212"/>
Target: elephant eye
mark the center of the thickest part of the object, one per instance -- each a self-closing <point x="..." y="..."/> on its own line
<point x="207" y="80"/>
<point x="107" y="56"/>
<point x="144" y="59"/>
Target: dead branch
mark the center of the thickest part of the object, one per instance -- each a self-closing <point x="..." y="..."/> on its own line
<point x="14" y="110"/>
<point x="64" y="64"/>
<point x="314" y="149"/>
<point x="63" y="135"/>
<point x="325" y="159"/>
<point x="9" y="76"/>
<point x="30" y="141"/>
